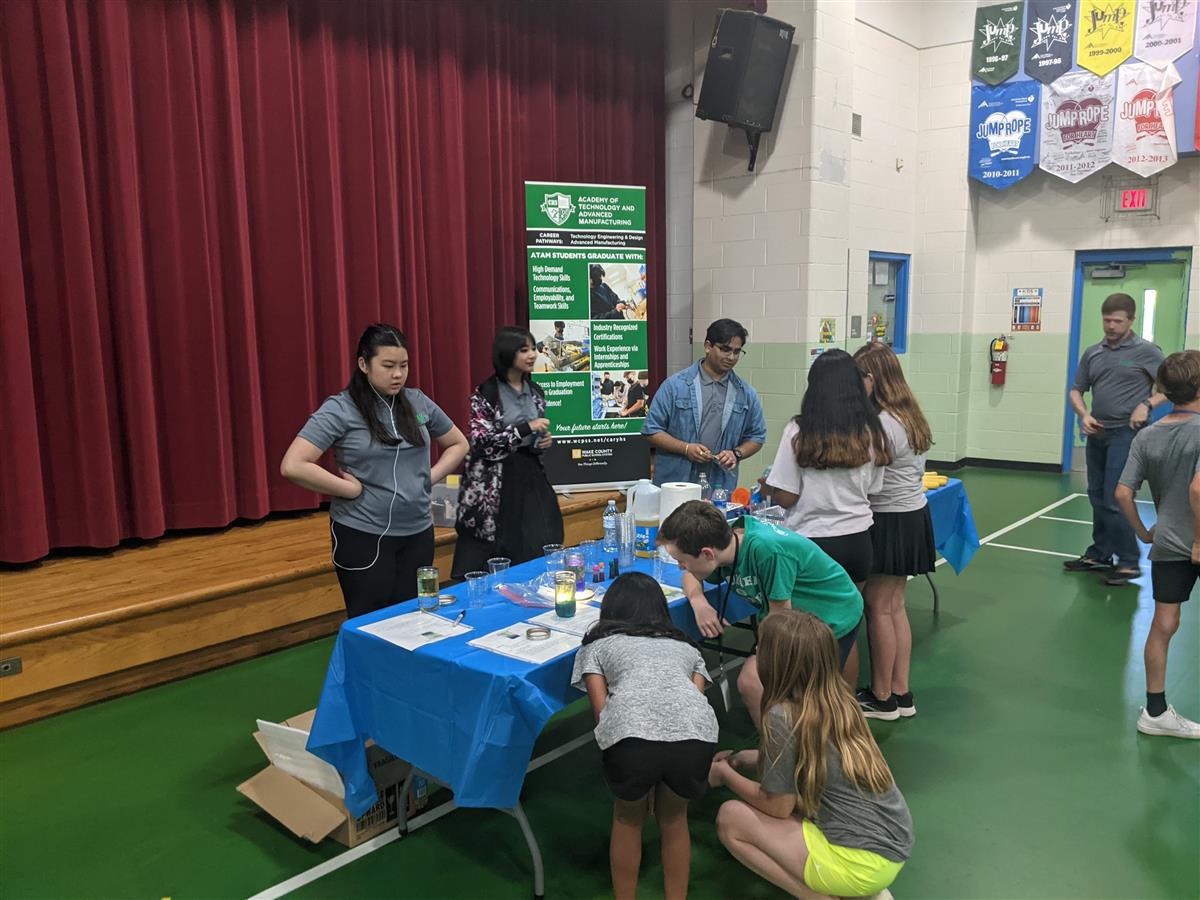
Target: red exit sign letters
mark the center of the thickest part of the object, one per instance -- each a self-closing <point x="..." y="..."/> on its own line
<point x="1137" y="198"/>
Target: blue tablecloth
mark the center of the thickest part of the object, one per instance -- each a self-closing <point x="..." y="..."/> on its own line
<point x="470" y="717"/>
<point x="953" y="524"/>
<point x="466" y="716"/>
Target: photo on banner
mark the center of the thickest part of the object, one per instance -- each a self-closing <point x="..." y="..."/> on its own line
<point x="1166" y="30"/>
<point x="1144" y="134"/>
<point x="588" y="313"/>
<point x="1104" y="35"/>
<point x="996" y="45"/>
<point x="1004" y="132"/>
<point x="1076" y="135"/>
<point x="1049" y="38"/>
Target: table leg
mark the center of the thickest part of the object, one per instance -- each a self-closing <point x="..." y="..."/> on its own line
<point x="933" y="587"/>
<point x="539" y="875"/>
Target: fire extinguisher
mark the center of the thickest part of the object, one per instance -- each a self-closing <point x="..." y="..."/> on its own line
<point x="999" y="355"/>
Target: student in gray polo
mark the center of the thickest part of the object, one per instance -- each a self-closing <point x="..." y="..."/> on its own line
<point x="1119" y="372"/>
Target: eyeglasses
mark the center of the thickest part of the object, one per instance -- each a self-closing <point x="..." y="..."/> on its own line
<point x="730" y="351"/>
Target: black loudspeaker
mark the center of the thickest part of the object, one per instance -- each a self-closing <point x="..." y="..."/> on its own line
<point x="744" y="72"/>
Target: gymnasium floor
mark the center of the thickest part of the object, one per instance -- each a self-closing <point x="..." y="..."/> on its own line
<point x="1023" y="770"/>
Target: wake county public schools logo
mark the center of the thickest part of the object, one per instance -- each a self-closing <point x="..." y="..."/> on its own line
<point x="1005" y="130"/>
<point x="557" y="207"/>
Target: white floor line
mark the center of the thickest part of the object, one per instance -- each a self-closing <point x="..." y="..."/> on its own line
<point x="1060" y="519"/>
<point x="1032" y="550"/>
<point x="1017" y="524"/>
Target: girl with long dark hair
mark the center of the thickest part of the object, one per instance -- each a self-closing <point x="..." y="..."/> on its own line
<point x="379" y="430"/>
<point x="902" y="542"/>
<point x="645" y="680"/>
<point x="506" y="506"/>
<point x="825" y="819"/>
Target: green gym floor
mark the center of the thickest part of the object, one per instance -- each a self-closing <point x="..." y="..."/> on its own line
<point x="1023" y="770"/>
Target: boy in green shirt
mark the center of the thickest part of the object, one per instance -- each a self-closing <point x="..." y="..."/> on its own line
<point x="770" y="566"/>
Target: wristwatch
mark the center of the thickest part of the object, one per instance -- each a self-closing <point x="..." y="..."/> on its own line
<point x="738" y="453"/>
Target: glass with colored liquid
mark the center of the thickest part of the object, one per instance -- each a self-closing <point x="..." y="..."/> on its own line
<point x="574" y="561"/>
<point x="428" y="579"/>
<point x="564" y="594"/>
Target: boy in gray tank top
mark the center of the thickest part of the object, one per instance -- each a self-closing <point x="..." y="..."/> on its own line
<point x="1167" y="454"/>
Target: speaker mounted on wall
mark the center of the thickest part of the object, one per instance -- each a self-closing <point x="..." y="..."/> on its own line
<point x="747" y="58"/>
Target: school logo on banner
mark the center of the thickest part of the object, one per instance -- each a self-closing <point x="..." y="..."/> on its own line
<point x="1166" y="30"/>
<point x="997" y="45"/>
<point x="1049" y="38"/>
<point x="557" y="207"/>
<point x="1004" y="129"/>
<point x="1105" y="34"/>
<point x="1077" y="125"/>
<point x="1144" y="138"/>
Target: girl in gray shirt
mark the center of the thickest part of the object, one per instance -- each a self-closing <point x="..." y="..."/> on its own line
<point x="826" y="815"/>
<point x="656" y="730"/>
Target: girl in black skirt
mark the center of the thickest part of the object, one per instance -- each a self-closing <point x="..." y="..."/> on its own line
<point x="506" y="506"/>
<point x="901" y="536"/>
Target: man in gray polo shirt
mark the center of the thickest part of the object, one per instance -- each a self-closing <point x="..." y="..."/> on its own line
<point x="1119" y="371"/>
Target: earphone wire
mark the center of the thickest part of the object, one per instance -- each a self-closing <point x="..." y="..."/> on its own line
<point x="395" y="492"/>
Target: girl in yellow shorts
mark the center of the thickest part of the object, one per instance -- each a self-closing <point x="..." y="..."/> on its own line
<point x="826" y="818"/>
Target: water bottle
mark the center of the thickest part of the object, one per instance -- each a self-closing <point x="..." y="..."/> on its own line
<point x="612" y="544"/>
<point x="720" y="498"/>
<point x="705" y="488"/>
<point x="758" y="499"/>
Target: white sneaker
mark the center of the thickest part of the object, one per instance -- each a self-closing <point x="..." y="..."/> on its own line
<point x="1170" y="723"/>
<point x="885" y="894"/>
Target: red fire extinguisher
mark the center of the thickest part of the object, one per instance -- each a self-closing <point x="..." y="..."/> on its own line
<point x="999" y="356"/>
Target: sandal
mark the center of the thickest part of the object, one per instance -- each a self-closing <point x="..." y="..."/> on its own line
<point x="1119" y="577"/>
<point x="1085" y="564"/>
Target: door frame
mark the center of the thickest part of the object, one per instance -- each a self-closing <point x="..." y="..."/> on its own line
<point x="1091" y="258"/>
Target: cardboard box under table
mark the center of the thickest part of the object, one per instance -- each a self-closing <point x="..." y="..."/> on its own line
<point x="304" y="793"/>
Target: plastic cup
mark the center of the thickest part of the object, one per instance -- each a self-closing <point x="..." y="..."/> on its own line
<point x="477" y="588"/>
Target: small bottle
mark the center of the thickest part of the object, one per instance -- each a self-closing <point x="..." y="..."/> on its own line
<point x="758" y="499"/>
<point x="611" y="542"/>
<point x="705" y="488"/>
<point x="720" y="498"/>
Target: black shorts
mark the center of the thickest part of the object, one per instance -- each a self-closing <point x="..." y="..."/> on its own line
<point x="633" y="767"/>
<point x="850" y="551"/>
<point x="846" y="643"/>
<point x="1173" y="579"/>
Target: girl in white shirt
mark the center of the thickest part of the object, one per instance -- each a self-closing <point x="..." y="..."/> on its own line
<point x="830" y="460"/>
<point x="901" y="536"/>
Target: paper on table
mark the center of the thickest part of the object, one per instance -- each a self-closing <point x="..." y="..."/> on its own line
<point x="513" y="643"/>
<point x="585" y="617"/>
<point x="415" y="629"/>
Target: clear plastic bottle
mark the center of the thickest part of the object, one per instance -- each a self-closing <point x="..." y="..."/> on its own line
<point x="612" y="542"/>
<point x="758" y="499"/>
<point x="705" y="487"/>
<point x="720" y="498"/>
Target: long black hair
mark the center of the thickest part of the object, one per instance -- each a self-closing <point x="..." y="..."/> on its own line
<point x="839" y="426"/>
<point x="635" y="605"/>
<point x="368" y="401"/>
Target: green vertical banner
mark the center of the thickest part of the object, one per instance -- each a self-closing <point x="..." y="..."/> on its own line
<point x="588" y="290"/>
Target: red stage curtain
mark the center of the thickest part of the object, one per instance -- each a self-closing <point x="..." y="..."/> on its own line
<point x="203" y="202"/>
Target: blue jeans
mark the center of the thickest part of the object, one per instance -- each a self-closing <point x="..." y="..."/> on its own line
<point x="1112" y="536"/>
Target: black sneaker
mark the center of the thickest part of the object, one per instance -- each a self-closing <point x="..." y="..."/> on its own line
<point x="905" y="705"/>
<point x="1086" y="564"/>
<point x="874" y="708"/>
<point x="1120" y="577"/>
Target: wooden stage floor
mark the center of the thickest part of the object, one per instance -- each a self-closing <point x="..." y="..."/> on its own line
<point x="86" y="628"/>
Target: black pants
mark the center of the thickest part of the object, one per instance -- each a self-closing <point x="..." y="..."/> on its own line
<point x="390" y="579"/>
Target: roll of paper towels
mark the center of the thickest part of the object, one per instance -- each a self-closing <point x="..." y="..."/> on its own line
<point x="674" y="494"/>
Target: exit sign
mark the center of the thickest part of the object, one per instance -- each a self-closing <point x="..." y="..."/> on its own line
<point x="1134" y="199"/>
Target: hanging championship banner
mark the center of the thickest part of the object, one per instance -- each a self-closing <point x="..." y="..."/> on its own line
<point x="1166" y="30"/>
<point x="1144" y="139"/>
<point x="586" y="255"/>
<point x="1104" y="34"/>
<point x="1004" y="126"/>
<point x="997" y="44"/>
<point x="1077" y="125"/>
<point x="1049" y="38"/>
